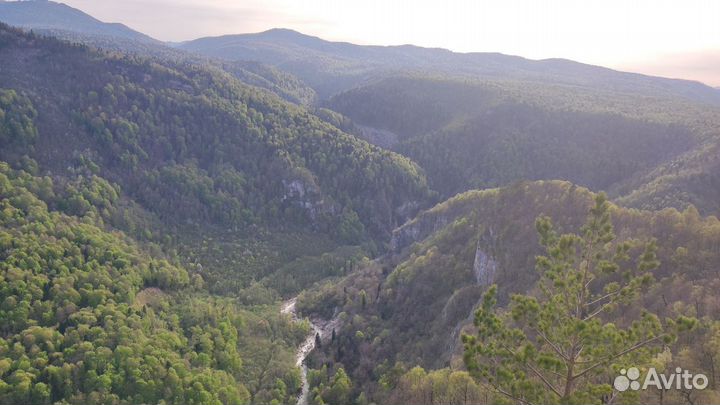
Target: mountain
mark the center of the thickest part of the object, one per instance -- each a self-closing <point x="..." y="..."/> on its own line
<point x="198" y="155"/>
<point x="174" y="199"/>
<point x="635" y="176"/>
<point x="91" y="316"/>
<point x="411" y="307"/>
<point x="45" y="15"/>
<point x="486" y="119"/>
<point x="70" y="24"/>
<point x="332" y="67"/>
<point x="262" y="218"/>
<point x="273" y="79"/>
<point x="690" y="179"/>
<point x="648" y="152"/>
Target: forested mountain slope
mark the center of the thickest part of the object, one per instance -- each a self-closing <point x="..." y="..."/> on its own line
<point x="124" y="170"/>
<point x="131" y="189"/>
<point x="49" y="15"/>
<point x="157" y="205"/>
<point x="470" y="134"/>
<point x="235" y="155"/>
<point x="73" y="25"/>
<point x="481" y="120"/>
<point x="411" y="307"/>
<point x="692" y="178"/>
<point x="332" y="67"/>
<point x="90" y="317"/>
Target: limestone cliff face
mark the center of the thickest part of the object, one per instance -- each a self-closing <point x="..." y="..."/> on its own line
<point x="484" y="267"/>
<point x="308" y="196"/>
<point x="416" y="231"/>
<point x="432" y="220"/>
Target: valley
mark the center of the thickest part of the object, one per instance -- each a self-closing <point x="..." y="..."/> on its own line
<point x="274" y="218"/>
<point x="319" y="331"/>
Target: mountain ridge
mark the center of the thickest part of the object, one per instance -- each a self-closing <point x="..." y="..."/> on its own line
<point x="49" y="15"/>
<point x="289" y="49"/>
<point x="316" y="61"/>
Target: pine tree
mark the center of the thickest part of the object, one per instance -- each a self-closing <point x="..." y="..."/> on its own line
<point x="560" y="345"/>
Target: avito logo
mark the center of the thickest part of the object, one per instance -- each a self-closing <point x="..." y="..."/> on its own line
<point x="681" y="379"/>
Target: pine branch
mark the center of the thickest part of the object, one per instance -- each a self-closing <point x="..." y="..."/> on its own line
<point x="608" y="295"/>
<point x="553" y="345"/>
<point x="537" y="373"/>
<point x="511" y="396"/>
<point x="615" y="356"/>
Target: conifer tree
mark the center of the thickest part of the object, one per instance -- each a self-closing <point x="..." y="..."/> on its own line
<point x="559" y="344"/>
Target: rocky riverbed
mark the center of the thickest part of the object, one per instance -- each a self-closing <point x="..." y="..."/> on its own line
<point x="320" y="327"/>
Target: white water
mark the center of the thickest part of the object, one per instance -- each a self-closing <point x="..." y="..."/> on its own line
<point x="320" y="327"/>
<point x="303" y="350"/>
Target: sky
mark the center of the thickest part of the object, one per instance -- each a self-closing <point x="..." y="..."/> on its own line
<point x="678" y="38"/>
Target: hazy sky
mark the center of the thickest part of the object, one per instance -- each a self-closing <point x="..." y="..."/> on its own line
<point x="679" y="38"/>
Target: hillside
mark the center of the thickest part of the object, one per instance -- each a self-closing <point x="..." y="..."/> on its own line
<point x="133" y="192"/>
<point x="70" y="24"/>
<point x="483" y="120"/>
<point x="273" y="218"/>
<point x="655" y="165"/>
<point x="411" y="307"/>
<point x="134" y="121"/>
<point x="89" y="316"/>
<point x="51" y="16"/>
<point x="235" y="180"/>
<point x="691" y="179"/>
<point x="332" y="67"/>
<point x="472" y="134"/>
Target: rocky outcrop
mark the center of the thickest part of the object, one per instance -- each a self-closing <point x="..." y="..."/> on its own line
<point x="484" y="267"/>
<point x="432" y="220"/>
<point x="416" y="230"/>
<point x="306" y="195"/>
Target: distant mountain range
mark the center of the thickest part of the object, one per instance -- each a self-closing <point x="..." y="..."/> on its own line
<point x="331" y="67"/>
<point x="162" y="205"/>
<point x="441" y="107"/>
<point x="48" y="15"/>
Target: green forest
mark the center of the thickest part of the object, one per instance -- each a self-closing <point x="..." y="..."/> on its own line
<point x="88" y="317"/>
<point x="405" y="315"/>
<point x="276" y="219"/>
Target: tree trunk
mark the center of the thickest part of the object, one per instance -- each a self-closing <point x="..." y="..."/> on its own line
<point x="569" y="382"/>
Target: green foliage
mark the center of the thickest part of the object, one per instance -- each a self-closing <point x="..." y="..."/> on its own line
<point x="304" y="271"/>
<point x="423" y="298"/>
<point x="326" y="390"/>
<point x="472" y="134"/>
<point x="88" y="317"/>
<point x="193" y="145"/>
<point x="691" y="180"/>
<point x="261" y="199"/>
<point x="255" y="197"/>
<point x="17" y="116"/>
<point x="562" y="344"/>
<point x="443" y="386"/>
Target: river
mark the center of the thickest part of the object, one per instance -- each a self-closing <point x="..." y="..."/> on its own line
<point x="317" y="326"/>
<point x="288" y="307"/>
